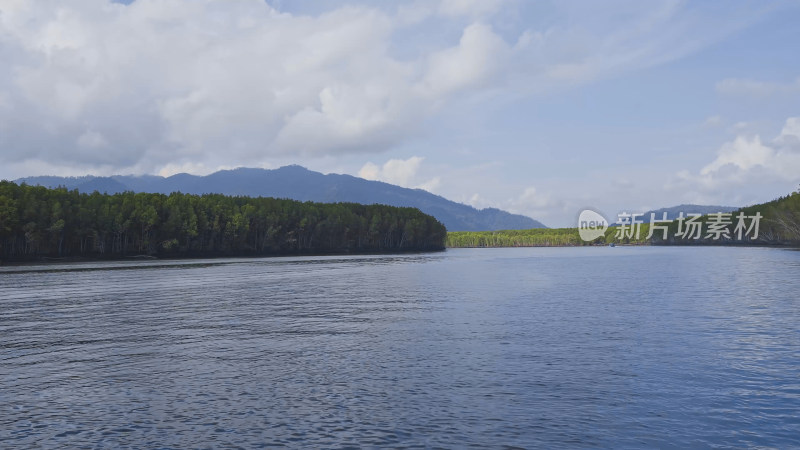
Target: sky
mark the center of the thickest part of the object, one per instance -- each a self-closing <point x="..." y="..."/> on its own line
<point x="541" y="108"/>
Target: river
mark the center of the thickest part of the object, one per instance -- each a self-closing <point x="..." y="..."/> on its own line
<point x="534" y="347"/>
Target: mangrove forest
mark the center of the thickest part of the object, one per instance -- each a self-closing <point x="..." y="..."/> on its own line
<point x="38" y="222"/>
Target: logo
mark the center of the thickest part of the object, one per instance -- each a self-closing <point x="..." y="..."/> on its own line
<point x="591" y="225"/>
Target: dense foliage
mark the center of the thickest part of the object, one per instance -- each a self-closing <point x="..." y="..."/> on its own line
<point x="535" y="237"/>
<point x="37" y="221"/>
<point x="782" y="224"/>
<point x="779" y="225"/>
<point x="538" y="237"/>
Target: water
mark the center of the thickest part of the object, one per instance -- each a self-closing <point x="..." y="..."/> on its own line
<point x="566" y="347"/>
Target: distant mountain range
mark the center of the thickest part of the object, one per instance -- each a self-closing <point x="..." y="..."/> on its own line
<point x="299" y="183"/>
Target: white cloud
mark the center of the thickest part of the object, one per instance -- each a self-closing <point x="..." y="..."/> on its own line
<point x="479" y="53"/>
<point x="431" y="185"/>
<point x="370" y="171"/>
<point x="395" y="171"/>
<point x="742" y="153"/>
<point x="172" y="83"/>
<point x="401" y="172"/>
<point x="789" y="139"/>
<point x="748" y="160"/>
<point x="177" y="82"/>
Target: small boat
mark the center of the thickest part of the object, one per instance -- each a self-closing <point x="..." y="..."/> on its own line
<point x="612" y="245"/>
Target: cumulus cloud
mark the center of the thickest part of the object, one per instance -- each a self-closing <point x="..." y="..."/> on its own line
<point x="431" y="185"/>
<point x="742" y="153"/>
<point x="479" y="53"/>
<point x="402" y="172"/>
<point x="153" y="83"/>
<point x="100" y="86"/>
<point x="748" y="159"/>
<point x="789" y="139"/>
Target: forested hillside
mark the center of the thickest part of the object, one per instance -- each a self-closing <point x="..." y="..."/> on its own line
<point x="299" y="183"/>
<point x="778" y="224"/>
<point x="36" y="221"/>
<point x="783" y="219"/>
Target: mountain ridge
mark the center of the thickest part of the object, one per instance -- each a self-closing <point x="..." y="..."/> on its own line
<point x="299" y="183"/>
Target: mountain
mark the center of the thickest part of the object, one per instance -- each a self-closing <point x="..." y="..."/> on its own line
<point x="298" y="183"/>
<point x="780" y="224"/>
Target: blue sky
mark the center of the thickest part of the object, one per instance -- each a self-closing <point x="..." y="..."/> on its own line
<point x="537" y="107"/>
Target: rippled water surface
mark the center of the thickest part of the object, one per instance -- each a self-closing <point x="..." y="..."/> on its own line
<point x="625" y="347"/>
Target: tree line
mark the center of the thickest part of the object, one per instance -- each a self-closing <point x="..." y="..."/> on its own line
<point x="778" y="224"/>
<point x="36" y="221"/>
<point x="534" y="237"/>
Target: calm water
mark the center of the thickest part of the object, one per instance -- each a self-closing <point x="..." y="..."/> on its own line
<point x="624" y="347"/>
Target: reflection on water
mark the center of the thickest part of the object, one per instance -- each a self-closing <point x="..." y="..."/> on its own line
<point x="528" y="347"/>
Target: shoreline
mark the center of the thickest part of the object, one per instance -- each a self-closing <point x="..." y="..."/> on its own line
<point x="49" y="260"/>
<point x="786" y="246"/>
